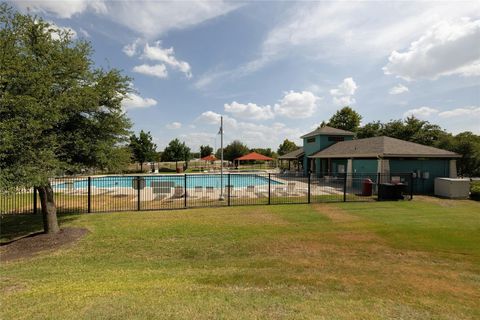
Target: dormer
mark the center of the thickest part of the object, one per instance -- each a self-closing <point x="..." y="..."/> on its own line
<point x="323" y="137"/>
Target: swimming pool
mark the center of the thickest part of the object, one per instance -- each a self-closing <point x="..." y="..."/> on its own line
<point x="195" y="180"/>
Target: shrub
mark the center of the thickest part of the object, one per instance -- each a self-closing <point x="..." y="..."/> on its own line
<point x="475" y="190"/>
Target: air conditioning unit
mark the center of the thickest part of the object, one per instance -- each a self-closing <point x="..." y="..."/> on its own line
<point x="453" y="188"/>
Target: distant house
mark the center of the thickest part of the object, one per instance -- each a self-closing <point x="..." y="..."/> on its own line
<point x="329" y="151"/>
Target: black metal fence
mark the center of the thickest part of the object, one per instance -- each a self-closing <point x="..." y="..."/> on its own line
<point x="157" y="192"/>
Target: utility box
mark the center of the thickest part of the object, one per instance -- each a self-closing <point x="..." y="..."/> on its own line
<point x="452" y="188"/>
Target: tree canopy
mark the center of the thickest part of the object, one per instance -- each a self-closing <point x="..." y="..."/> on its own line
<point x="286" y="147"/>
<point x="176" y="151"/>
<point x="205" y="151"/>
<point x="468" y="145"/>
<point x="345" y="119"/>
<point x="234" y="150"/>
<point x="143" y="148"/>
<point x="410" y="129"/>
<point x="58" y="113"/>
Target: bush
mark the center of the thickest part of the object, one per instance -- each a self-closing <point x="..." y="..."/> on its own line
<point x="475" y="190"/>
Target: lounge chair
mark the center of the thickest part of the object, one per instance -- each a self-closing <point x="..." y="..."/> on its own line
<point x="179" y="192"/>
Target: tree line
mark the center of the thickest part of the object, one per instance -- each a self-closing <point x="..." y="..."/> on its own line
<point x="415" y="130"/>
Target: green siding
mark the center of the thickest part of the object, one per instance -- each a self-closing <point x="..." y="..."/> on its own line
<point x="336" y="162"/>
<point x="435" y="168"/>
<point x="365" y="165"/>
<point x="321" y="142"/>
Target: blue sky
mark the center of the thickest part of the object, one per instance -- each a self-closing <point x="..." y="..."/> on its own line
<point x="276" y="70"/>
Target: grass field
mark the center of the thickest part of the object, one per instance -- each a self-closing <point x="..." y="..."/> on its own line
<point x="405" y="260"/>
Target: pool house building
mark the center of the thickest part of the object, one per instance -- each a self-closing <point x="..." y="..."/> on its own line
<point x="329" y="151"/>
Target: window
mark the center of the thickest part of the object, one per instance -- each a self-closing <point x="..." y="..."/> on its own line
<point x="336" y="138"/>
<point x="311" y="140"/>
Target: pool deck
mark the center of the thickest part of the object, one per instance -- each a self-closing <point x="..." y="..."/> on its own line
<point x="284" y="188"/>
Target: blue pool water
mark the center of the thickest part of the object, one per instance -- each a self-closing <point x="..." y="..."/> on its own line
<point x="202" y="180"/>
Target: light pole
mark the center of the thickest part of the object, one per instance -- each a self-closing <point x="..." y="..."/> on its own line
<point x="221" y="159"/>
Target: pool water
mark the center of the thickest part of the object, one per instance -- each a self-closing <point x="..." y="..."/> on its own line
<point x="201" y="180"/>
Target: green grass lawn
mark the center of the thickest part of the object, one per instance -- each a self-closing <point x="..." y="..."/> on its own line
<point x="404" y="260"/>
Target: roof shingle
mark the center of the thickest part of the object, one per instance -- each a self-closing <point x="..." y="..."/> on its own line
<point x="383" y="147"/>
<point x="292" y="155"/>
<point x="326" y="130"/>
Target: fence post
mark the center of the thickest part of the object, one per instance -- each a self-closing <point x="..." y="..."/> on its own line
<point x="309" y="182"/>
<point x="411" y="186"/>
<point x="34" y="200"/>
<point x="228" y="189"/>
<point x="89" y="195"/>
<point x="138" y="193"/>
<point x="185" y="191"/>
<point x="269" y="187"/>
<point x="345" y="187"/>
<point x="378" y="182"/>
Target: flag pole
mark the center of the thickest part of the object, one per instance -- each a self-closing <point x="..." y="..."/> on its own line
<point x="221" y="159"/>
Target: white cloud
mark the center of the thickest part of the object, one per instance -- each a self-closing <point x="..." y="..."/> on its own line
<point x="398" y="89"/>
<point x="343" y="94"/>
<point x="343" y="32"/>
<point x="346" y="88"/>
<point x="213" y="118"/>
<point x="421" y="112"/>
<point x="134" y="101"/>
<point x="148" y="18"/>
<point x="253" y="134"/>
<point x="84" y="33"/>
<point x="447" y="48"/>
<point x="158" y="70"/>
<point x="174" y="125"/>
<point x="59" y="30"/>
<point x="249" y="111"/>
<point x="154" y="18"/>
<point x="344" y="101"/>
<point x="297" y="104"/>
<point x="62" y="9"/>
<point x="157" y="53"/>
<point x="470" y="112"/>
<point x="131" y="48"/>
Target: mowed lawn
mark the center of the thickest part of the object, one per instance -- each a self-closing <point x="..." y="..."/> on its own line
<point x="404" y="260"/>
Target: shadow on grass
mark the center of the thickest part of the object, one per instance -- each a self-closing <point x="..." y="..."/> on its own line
<point x="14" y="227"/>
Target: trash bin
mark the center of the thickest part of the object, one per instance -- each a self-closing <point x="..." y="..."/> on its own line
<point x="367" y="185"/>
<point x="390" y="191"/>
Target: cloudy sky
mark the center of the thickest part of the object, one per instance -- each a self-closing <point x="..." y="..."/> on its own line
<point x="276" y="70"/>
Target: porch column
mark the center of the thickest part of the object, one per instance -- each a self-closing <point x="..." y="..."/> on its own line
<point x="349" y="172"/>
<point x="453" y="169"/>
<point x="383" y="167"/>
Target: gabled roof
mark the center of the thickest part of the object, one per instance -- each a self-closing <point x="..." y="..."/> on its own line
<point x="209" y="158"/>
<point x="327" y="131"/>
<point x="292" y="155"/>
<point x="254" y="156"/>
<point x="383" y="147"/>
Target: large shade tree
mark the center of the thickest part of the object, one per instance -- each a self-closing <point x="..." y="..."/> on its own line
<point x="205" y="151"/>
<point x="345" y="119"/>
<point x="58" y="113"/>
<point x="286" y="147"/>
<point x="176" y="151"/>
<point x="143" y="148"/>
<point x="234" y="150"/>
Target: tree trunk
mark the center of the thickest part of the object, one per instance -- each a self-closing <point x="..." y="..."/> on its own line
<point x="141" y="166"/>
<point x="49" y="209"/>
